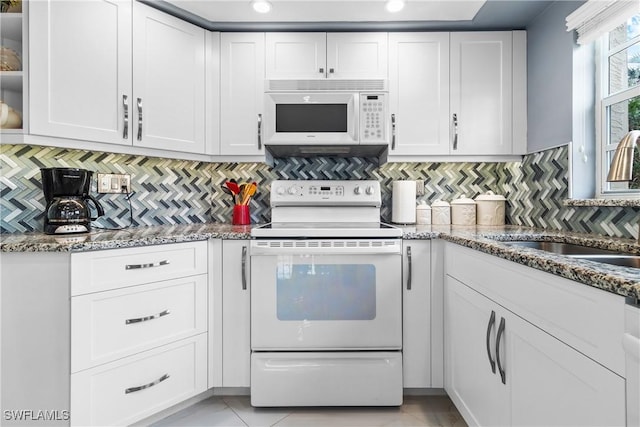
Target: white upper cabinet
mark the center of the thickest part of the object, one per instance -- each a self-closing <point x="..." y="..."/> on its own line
<point x="481" y="93"/>
<point x="76" y="90"/>
<point x="357" y="55"/>
<point x="80" y="92"/>
<point x="212" y="84"/>
<point x="241" y="93"/>
<point x="419" y="93"/>
<point x="458" y="94"/>
<point x="296" y="55"/>
<point x="326" y="55"/>
<point x="168" y="81"/>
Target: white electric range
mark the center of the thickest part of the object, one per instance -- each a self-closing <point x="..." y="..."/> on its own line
<point x="326" y="298"/>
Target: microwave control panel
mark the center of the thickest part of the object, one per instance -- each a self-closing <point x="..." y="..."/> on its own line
<point x="372" y="117"/>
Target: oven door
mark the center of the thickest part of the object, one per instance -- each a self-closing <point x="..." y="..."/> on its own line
<point x="326" y="294"/>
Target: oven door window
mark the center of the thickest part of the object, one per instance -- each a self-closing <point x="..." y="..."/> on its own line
<point x="326" y="301"/>
<point x="311" y="118"/>
<point x="325" y="291"/>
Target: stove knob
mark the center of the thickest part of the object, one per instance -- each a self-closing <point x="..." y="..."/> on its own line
<point x="293" y="190"/>
<point x="357" y="190"/>
<point x="370" y="190"/>
<point x="280" y="191"/>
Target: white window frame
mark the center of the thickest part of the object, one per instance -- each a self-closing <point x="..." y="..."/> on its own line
<point x="603" y="101"/>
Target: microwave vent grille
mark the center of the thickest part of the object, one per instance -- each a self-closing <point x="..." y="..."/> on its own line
<point x="327" y="85"/>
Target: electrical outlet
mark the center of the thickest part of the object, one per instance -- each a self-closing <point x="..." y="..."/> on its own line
<point x="114" y="183"/>
<point x="419" y="188"/>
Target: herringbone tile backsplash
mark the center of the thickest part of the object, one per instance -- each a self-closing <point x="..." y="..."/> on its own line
<point x="169" y="191"/>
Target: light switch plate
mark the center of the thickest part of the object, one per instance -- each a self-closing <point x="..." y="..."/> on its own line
<point x="114" y="183"/>
<point x="419" y="188"/>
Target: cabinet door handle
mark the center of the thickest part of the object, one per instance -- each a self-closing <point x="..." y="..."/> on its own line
<point x="409" y="268"/>
<point x="125" y="107"/>
<point x="147" y="318"/>
<point x="142" y="387"/>
<point x="149" y="265"/>
<point x="393" y="131"/>
<point x="244" y="268"/>
<point x="455" y="131"/>
<point x="139" y="119"/>
<point x="492" y="321"/>
<point x="259" y="131"/>
<point x="503" y="374"/>
<point x="330" y="70"/>
<point x="321" y="71"/>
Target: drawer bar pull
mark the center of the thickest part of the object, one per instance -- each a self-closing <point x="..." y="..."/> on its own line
<point x="150" y="265"/>
<point x="142" y="387"/>
<point x="145" y="319"/>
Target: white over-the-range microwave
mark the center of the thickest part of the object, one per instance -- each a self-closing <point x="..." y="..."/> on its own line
<point x="332" y="117"/>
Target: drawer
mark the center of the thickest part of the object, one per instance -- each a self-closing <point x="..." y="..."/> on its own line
<point x="110" y="325"/>
<point x="131" y="389"/>
<point x="117" y="268"/>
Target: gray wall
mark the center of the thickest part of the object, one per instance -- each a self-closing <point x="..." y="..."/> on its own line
<point x="561" y="95"/>
<point x="550" y="77"/>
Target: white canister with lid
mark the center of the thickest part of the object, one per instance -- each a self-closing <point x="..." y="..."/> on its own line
<point x="491" y="209"/>
<point x="423" y="213"/>
<point x="440" y="213"/>
<point x="463" y="211"/>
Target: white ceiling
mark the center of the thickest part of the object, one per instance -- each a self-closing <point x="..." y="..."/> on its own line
<point x="331" y="10"/>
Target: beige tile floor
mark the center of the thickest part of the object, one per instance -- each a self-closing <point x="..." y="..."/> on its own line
<point x="232" y="411"/>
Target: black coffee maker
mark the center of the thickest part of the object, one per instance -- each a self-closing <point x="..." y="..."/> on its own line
<point x="66" y="191"/>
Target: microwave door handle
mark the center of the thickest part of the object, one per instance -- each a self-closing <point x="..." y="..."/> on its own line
<point x="259" y="131"/>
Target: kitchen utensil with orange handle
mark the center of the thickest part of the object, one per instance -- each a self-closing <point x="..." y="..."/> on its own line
<point x="248" y="191"/>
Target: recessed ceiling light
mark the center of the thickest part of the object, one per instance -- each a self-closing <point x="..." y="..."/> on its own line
<point x="261" y="6"/>
<point x="394" y="5"/>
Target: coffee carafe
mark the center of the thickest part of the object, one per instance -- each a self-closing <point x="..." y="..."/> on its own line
<point x="66" y="191"/>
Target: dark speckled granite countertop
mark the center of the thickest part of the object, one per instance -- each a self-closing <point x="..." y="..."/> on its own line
<point x="623" y="281"/>
<point x="620" y="280"/>
<point x="132" y="237"/>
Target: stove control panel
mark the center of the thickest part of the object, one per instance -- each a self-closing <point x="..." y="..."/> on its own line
<point x="325" y="193"/>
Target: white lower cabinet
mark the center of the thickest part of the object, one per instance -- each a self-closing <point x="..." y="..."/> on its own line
<point x="236" y="345"/>
<point x="416" y="314"/>
<point x="133" y="388"/>
<point x="470" y="377"/>
<point x="113" y="335"/>
<point x="502" y="369"/>
<point x="141" y="345"/>
<point x="108" y="325"/>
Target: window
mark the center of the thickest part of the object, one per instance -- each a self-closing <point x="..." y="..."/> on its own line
<point x="619" y="89"/>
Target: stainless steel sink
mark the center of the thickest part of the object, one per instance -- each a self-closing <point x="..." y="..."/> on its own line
<point x="582" y="252"/>
<point x="562" y="248"/>
<point x="621" y="260"/>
